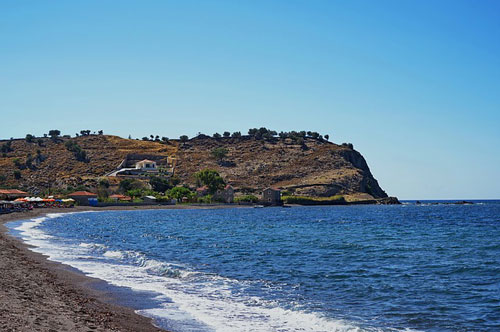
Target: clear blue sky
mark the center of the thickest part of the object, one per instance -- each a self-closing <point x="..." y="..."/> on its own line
<point x="414" y="85"/>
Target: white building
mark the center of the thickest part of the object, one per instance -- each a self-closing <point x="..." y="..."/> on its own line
<point x="146" y="165"/>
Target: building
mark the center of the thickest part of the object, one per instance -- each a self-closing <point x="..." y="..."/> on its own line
<point x="271" y="196"/>
<point x="83" y="197"/>
<point x="142" y="165"/>
<point x="118" y="197"/>
<point x="149" y="199"/>
<point x="202" y="191"/>
<point x="11" y="194"/>
<point x="146" y="165"/>
<point x="226" y="195"/>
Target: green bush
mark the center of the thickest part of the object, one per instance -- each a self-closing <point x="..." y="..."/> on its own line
<point x="79" y="153"/>
<point x="179" y="192"/>
<point x="205" y="199"/>
<point x="305" y="200"/>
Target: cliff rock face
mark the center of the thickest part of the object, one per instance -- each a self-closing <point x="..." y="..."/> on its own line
<point x="314" y="168"/>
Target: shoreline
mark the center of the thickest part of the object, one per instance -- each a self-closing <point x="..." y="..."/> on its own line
<point x="43" y="295"/>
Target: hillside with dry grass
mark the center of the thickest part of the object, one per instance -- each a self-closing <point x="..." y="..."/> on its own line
<point x="312" y="168"/>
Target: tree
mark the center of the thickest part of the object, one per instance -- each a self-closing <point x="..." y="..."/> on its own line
<point x="219" y="154"/>
<point x="252" y="131"/>
<point x="226" y="134"/>
<point x="236" y="134"/>
<point x="327" y="137"/>
<point x="184" y="138"/>
<point x="164" y="139"/>
<point x="157" y="138"/>
<point x="54" y="134"/>
<point x="100" y="132"/>
<point x="7" y="147"/>
<point x="179" y="192"/>
<point x="159" y="184"/>
<point x="29" y="138"/>
<point x="17" y="175"/>
<point x="85" y="132"/>
<point x="152" y="137"/>
<point x="216" y="135"/>
<point x="130" y="184"/>
<point x="145" y="138"/>
<point x="211" y="179"/>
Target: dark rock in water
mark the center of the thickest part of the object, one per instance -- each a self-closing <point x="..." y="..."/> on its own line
<point x="463" y="203"/>
<point x="388" y="200"/>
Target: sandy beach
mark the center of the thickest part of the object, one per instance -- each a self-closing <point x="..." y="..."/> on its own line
<point x="39" y="295"/>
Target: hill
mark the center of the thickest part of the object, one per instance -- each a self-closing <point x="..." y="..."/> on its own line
<point x="310" y="166"/>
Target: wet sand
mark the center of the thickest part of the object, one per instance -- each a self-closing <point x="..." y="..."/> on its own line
<point x="39" y="295"/>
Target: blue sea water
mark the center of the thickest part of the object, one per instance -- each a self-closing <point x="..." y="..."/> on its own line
<point x="332" y="268"/>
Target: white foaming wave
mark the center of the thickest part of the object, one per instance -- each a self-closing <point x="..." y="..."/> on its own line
<point x="193" y="301"/>
<point x="113" y="254"/>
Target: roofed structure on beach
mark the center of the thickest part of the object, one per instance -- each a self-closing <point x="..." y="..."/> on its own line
<point x="12" y="193"/>
<point x="119" y="197"/>
<point x="82" y="197"/>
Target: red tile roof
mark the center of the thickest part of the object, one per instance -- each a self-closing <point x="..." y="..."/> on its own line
<point x="12" y="191"/>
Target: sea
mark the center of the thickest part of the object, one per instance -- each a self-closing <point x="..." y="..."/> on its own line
<point x="410" y="267"/>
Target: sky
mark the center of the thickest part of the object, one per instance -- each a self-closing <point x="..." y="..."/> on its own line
<point x="414" y="85"/>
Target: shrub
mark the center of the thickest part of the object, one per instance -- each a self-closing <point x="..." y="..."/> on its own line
<point x="78" y="152"/>
<point x="180" y="192"/>
<point x="226" y="134"/>
<point x="29" y="138"/>
<point x="184" y="138"/>
<point x="160" y="184"/>
<point x="217" y="135"/>
<point x="104" y="183"/>
<point x="219" y="154"/>
<point x="207" y="199"/>
<point x="18" y="164"/>
<point x="130" y="184"/>
<point x="7" y="147"/>
<point x="209" y="178"/>
<point x="17" y="175"/>
<point x="246" y="199"/>
<point x="236" y="134"/>
<point x="306" y="200"/>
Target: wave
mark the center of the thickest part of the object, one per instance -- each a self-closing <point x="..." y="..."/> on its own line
<point x="186" y="300"/>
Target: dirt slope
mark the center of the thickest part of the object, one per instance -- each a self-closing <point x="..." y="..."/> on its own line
<point x="316" y="168"/>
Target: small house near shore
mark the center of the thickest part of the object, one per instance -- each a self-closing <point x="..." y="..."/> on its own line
<point x="121" y="198"/>
<point x="271" y="196"/>
<point x="11" y="194"/>
<point x="83" y="197"/>
<point x="202" y="191"/>
<point x="226" y="195"/>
